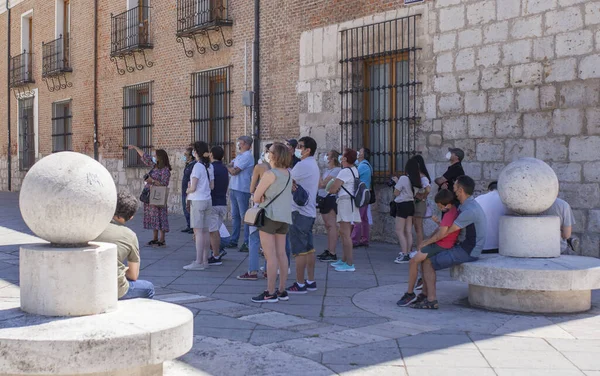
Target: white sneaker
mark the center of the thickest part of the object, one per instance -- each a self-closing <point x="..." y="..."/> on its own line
<point x="194" y="266"/>
<point x="412" y="254"/>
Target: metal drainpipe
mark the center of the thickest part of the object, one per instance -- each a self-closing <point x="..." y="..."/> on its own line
<point x="256" y="79"/>
<point x="8" y="95"/>
<point x="96" y="154"/>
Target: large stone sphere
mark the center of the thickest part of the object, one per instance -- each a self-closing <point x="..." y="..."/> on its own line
<point x="68" y="198"/>
<point x="528" y="186"/>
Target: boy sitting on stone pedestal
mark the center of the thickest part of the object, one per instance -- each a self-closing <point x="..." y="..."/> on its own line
<point x="128" y="249"/>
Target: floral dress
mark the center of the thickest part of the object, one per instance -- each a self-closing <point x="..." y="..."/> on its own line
<point x="156" y="217"/>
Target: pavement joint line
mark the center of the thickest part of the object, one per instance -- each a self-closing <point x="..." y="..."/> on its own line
<point x="563" y="355"/>
<point x="468" y="334"/>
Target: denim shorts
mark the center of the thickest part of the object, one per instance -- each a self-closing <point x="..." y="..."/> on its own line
<point x="301" y="237"/>
<point x="450" y="257"/>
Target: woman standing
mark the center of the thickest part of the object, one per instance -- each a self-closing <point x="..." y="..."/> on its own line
<point x="156" y="217"/>
<point x="274" y="195"/>
<point x="328" y="205"/>
<point x="254" y="239"/>
<point x="347" y="212"/>
<point x="201" y="184"/>
<point x="421" y="198"/>
<point x="405" y="207"/>
<point x="189" y="161"/>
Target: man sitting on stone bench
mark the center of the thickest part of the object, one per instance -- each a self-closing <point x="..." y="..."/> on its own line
<point x="471" y="219"/>
<point x="128" y="248"/>
<point x="562" y="209"/>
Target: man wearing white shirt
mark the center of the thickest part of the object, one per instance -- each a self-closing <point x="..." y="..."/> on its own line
<point x="305" y="174"/>
<point x="494" y="209"/>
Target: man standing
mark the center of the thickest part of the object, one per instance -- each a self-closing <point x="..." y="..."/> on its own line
<point x="446" y="181"/>
<point x="240" y="170"/>
<point x="305" y="174"/>
<point x="360" y="234"/>
<point x="494" y="209"/>
<point x="471" y="218"/>
<point x="219" y="203"/>
<point x="128" y="250"/>
<point x="292" y="144"/>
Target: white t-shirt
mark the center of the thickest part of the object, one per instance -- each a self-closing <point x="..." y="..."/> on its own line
<point x="494" y="209"/>
<point x="424" y="183"/>
<point x="202" y="191"/>
<point x="345" y="175"/>
<point x="406" y="190"/>
<point x="329" y="172"/>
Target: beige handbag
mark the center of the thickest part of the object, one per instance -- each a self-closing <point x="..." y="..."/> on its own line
<point x="159" y="195"/>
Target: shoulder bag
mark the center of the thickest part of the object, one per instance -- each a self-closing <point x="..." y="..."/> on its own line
<point x="256" y="216"/>
<point x="145" y="195"/>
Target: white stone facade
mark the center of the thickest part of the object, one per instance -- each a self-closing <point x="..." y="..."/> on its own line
<point x="500" y="79"/>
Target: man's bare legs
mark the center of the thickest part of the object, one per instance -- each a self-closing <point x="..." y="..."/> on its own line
<point x="413" y="270"/>
<point x="429" y="278"/>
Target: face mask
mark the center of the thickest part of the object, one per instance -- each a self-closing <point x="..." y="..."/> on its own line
<point x="268" y="157"/>
<point x="184" y="158"/>
<point x="448" y="155"/>
<point x="194" y="154"/>
<point x="262" y="156"/>
<point x="358" y="154"/>
<point x="154" y="160"/>
<point x="326" y="158"/>
<point x="237" y="144"/>
<point x="340" y="159"/>
<point x="298" y="153"/>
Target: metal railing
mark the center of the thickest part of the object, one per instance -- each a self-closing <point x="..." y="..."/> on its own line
<point x="378" y="95"/>
<point x="130" y="30"/>
<point x="196" y="14"/>
<point x="56" y="56"/>
<point x="20" y="69"/>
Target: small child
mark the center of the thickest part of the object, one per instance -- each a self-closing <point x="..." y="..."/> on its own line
<point x="439" y="241"/>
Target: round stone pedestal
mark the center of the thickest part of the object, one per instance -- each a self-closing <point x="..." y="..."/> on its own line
<point x="529" y="236"/>
<point x="68" y="281"/>
<point x="134" y="340"/>
<point x="529" y="285"/>
<point x="529" y="300"/>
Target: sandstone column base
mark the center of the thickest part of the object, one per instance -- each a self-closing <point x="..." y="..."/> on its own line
<point x="529" y="301"/>
<point x="529" y="236"/>
<point x="77" y="281"/>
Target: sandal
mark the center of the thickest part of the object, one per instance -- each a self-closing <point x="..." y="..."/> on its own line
<point x="426" y="304"/>
<point x="152" y="243"/>
<point x="161" y="244"/>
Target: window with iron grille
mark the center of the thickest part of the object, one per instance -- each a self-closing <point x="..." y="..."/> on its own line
<point x="379" y="85"/>
<point x="137" y="122"/>
<point x="61" y="126"/>
<point x="211" y="108"/>
<point x="26" y="134"/>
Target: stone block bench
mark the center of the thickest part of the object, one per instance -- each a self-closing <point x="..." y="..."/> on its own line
<point x="536" y="285"/>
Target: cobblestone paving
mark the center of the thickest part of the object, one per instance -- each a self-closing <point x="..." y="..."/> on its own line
<point x="351" y="325"/>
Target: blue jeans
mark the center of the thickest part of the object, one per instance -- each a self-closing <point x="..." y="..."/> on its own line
<point x="450" y="257"/>
<point x="239" y="206"/>
<point x="253" y="252"/>
<point x="186" y="213"/>
<point x="139" y="289"/>
<point x="301" y="235"/>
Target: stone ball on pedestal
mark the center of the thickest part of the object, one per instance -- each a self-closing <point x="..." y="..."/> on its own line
<point x="68" y="198"/>
<point x="528" y="186"/>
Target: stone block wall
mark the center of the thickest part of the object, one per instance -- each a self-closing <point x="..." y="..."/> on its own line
<point x="500" y="79"/>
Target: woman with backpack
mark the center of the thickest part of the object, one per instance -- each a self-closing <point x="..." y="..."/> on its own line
<point x="199" y="196"/>
<point x="404" y="190"/>
<point x="347" y="213"/>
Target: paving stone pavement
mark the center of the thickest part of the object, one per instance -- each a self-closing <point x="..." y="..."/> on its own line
<point x="350" y="326"/>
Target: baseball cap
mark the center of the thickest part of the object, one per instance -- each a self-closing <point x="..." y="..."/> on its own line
<point x="293" y="142"/>
<point x="458" y="152"/>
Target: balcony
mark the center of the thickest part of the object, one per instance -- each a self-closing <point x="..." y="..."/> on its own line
<point x="198" y="19"/>
<point x="20" y="70"/>
<point x="130" y="31"/>
<point x="56" y="57"/>
<point x="196" y="15"/>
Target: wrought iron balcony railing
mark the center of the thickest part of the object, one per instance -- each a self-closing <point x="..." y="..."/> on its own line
<point x="196" y="15"/>
<point x="56" y="57"/>
<point x="20" y="69"/>
<point x="130" y="31"/>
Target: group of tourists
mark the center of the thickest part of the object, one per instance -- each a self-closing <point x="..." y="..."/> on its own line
<point x="278" y="200"/>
